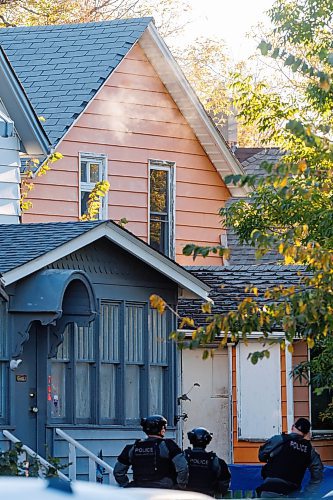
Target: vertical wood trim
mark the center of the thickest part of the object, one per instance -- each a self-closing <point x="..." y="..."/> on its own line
<point x="231" y="424"/>
<point x="289" y="389"/>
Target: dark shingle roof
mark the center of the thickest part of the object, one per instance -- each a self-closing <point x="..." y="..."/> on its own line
<point x="62" y="67"/>
<point x="234" y="280"/>
<point x="21" y="243"/>
<point x="251" y="159"/>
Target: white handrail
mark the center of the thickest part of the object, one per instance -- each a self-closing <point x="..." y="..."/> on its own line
<point x="32" y="453"/>
<point x="93" y="459"/>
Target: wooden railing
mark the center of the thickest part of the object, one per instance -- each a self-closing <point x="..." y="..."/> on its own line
<point x="74" y="445"/>
<point x="33" y="454"/>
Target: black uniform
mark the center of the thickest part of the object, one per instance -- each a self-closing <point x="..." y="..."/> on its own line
<point x="156" y="463"/>
<point x="288" y="456"/>
<point x="208" y="473"/>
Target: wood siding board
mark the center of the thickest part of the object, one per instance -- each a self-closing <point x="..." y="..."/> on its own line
<point x="131" y="120"/>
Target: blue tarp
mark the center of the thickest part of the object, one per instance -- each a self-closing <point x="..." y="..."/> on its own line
<point x="248" y="477"/>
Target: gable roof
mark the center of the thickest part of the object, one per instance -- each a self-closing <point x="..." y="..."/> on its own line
<point x="61" y="67"/>
<point x="189" y="104"/>
<point x="27" y="248"/>
<point x="228" y="285"/>
<point x="17" y="104"/>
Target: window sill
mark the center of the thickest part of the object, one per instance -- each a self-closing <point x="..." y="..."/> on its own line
<point x="325" y="435"/>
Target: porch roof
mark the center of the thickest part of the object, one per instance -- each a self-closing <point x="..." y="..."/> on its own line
<point x="27" y="248"/>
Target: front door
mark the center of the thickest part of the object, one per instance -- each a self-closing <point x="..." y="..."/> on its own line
<point x="30" y="391"/>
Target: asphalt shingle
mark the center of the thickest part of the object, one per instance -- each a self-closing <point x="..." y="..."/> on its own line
<point x="22" y="243"/>
<point x="62" y="52"/>
<point x="228" y="285"/>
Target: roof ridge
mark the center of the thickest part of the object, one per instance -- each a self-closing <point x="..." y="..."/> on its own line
<point x="92" y="24"/>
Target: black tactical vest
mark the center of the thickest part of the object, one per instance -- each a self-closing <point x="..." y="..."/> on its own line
<point x="291" y="462"/>
<point x="147" y="463"/>
<point x="202" y="472"/>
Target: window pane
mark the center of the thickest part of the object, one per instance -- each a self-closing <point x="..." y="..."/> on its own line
<point x="84" y="342"/>
<point x="159" y="335"/>
<point x="83" y="391"/>
<point x="84" y="171"/>
<point x="132" y="392"/>
<point x="95" y="172"/>
<point x="156" y="390"/>
<point x="319" y="403"/>
<point x="134" y="334"/>
<point x="159" y="191"/>
<point x="58" y="394"/>
<point x="159" y="234"/>
<point x="110" y="315"/>
<point x="108" y="391"/>
<point x="84" y="201"/>
<point x="63" y="348"/>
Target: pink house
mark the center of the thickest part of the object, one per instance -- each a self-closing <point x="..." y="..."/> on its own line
<point x="127" y="114"/>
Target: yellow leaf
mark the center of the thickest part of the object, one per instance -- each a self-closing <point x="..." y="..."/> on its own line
<point x="302" y="166"/>
<point x="255" y="291"/>
<point x="206" y="307"/>
<point x="291" y="348"/>
<point x="156" y="302"/>
<point x="310" y="342"/>
<point x="288" y="259"/>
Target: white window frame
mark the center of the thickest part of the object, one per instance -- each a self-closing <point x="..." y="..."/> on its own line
<point x="256" y="430"/>
<point x="89" y="186"/>
<point x="170" y="167"/>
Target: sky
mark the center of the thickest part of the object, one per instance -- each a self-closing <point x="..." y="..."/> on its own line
<point x="230" y="20"/>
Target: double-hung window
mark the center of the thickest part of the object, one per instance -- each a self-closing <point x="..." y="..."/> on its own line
<point x="162" y="206"/>
<point x="93" y="169"/>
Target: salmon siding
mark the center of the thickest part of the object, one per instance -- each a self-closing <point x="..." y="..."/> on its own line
<point x="133" y="119"/>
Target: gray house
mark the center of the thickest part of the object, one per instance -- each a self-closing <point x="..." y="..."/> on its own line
<point x="81" y="349"/>
<point x="20" y="133"/>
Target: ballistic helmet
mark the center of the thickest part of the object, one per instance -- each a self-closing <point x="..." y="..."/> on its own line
<point x="153" y="424"/>
<point x="199" y="436"/>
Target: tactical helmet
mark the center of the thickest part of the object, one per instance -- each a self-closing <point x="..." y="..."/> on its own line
<point x="199" y="436"/>
<point x="153" y="424"/>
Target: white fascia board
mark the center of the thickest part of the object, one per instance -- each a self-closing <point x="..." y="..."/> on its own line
<point x="181" y="91"/>
<point x="124" y="240"/>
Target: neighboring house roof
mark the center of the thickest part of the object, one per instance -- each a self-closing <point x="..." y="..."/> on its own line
<point x="27" y="248"/>
<point x="253" y="158"/>
<point x="28" y="126"/>
<point x="62" y="68"/>
<point x="228" y="286"/>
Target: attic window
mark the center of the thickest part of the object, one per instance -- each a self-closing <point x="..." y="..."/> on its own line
<point x="93" y="169"/>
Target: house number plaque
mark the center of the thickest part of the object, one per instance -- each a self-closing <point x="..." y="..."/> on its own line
<point x="21" y="378"/>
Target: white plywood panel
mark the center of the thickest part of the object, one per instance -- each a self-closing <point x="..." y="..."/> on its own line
<point x="210" y="403"/>
<point x="258" y="393"/>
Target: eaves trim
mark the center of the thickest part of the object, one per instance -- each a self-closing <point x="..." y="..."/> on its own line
<point x="123" y="239"/>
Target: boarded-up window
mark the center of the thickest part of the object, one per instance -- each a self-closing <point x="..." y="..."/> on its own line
<point x="84" y="343"/>
<point x="258" y="393"/>
<point x="59" y="378"/>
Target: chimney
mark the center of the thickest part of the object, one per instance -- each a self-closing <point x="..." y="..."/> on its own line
<point x="9" y="171"/>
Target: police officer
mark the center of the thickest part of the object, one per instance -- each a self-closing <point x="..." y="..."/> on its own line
<point x="208" y="473"/>
<point x="287" y="457"/>
<point x="156" y="462"/>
